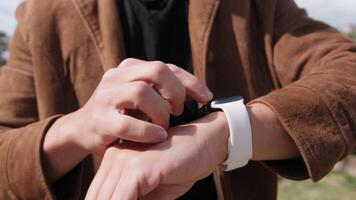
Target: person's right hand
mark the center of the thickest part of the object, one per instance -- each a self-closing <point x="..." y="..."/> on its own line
<point x="154" y="88"/>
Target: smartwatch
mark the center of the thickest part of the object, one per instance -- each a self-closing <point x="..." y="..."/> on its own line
<point x="240" y="139"/>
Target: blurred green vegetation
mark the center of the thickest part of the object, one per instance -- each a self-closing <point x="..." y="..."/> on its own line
<point x="335" y="186"/>
<point x="352" y="35"/>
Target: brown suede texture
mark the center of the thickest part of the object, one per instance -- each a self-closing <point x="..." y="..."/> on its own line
<point x="267" y="51"/>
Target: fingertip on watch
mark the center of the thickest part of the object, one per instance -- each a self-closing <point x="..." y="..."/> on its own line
<point x="207" y="95"/>
<point x="162" y="134"/>
<point x="176" y="111"/>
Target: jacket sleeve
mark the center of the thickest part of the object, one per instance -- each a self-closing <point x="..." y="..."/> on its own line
<point x="21" y="132"/>
<point x="316" y="67"/>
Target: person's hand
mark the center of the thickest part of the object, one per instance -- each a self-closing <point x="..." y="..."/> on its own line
<point x="154" y="88"/>
<point x="166" y="170"/>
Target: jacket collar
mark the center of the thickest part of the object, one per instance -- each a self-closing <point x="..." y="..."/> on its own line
<point x="102" y="20"/>
<point x="201" y="17"/>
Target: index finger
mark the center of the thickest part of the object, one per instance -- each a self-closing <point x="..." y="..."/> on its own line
<point x="195" y="89"/>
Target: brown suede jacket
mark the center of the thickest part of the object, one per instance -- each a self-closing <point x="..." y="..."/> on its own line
<point x="268" y="51"/>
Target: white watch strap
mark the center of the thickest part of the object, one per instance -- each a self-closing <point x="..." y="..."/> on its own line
<point x="240" y="140"/>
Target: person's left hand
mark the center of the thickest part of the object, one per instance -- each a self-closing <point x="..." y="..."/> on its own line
<point x="166" y="170"/>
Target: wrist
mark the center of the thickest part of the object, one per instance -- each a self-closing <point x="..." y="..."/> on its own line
<point x="225" y="135"/>
<point x="270" y="140"/>
<point x="62" y="134"/>
<point x="60" y="152"/>
<point x="258" y="115"/>
<point x="74" y="130"/>
<point x="222" y="136"/>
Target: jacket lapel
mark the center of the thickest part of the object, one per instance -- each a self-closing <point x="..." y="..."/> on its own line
<point x="102" y="20"/>
<point x="201" y="17"/>
<point x="103" y="23"/>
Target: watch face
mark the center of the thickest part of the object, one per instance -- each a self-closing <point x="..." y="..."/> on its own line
<point x="227" y="100"/>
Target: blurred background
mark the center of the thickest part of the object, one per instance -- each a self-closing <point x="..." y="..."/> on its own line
<point x="341" y="183"/>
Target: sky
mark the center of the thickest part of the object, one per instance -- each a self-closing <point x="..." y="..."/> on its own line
<point x="338" y="13"/>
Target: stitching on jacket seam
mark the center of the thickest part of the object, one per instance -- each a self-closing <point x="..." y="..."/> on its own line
<point x="92" y="31"/>
<point x="211" y="21"/>
<point x="23" y="72"/>
<point x="53" y="66"/>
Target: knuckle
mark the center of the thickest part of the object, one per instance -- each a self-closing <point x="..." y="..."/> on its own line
<point x="193" y="82"/>
<point x="159" y="68"/>
<point x="109" y="73"/>
<point x="102" y="96"/>
<point x="100" y="92"/>
<point x="158" y="63"/>
<point x="112" y="156"/>
<point x="140" y="88"/>
<point x="109" y="153"/>
<point x="126" y="62"/>
<point x="175" y="69"/>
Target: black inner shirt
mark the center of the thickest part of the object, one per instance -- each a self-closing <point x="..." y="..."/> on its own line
<point x="158" y="30"/>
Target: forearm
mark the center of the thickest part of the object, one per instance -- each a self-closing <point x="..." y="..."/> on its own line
<point x="60" y="153"/>
<point x="270" y="140"/>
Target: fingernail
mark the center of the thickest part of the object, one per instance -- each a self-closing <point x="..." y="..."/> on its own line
<point x="162" y="134"/>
